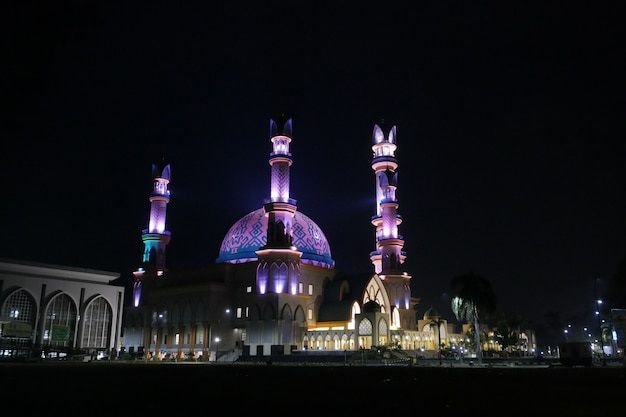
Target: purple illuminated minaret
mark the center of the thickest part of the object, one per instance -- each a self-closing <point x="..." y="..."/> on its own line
<point x="155" y="237"/>
<point x="388" y="256"/>
<point x="279" y="261"/>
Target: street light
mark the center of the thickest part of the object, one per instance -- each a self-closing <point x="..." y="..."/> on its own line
<point x="217" y="336"/>
<point x="598" y="315"/>
<point x="217" y="349"/>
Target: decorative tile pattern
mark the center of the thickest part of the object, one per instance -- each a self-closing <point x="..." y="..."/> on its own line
<point x="250" y="233"/>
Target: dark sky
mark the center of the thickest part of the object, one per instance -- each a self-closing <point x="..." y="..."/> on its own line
<point x="510" y="120"/>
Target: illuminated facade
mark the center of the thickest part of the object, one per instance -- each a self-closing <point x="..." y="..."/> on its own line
<point x="273" y="288"/>
<point x="50" y="311"/>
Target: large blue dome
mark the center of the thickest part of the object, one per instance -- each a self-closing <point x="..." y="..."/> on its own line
<point x="250" y="233"/>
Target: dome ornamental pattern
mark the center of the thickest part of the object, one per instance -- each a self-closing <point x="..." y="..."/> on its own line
<point x="249" y="234"/>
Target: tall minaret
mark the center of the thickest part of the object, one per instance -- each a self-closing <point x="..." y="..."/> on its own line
<point x="279" y="261"/>
<point x="388" y="256"/>
<point x="155" y="237"/>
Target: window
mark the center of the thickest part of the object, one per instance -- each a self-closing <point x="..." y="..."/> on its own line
<point x="310" y="314"/>
<point x="238" y="312"/>
<point x="310" y="289"/>
<point x="300" y="288"/>
<point x="97" y="324"/>
<point x="61" y="322"/>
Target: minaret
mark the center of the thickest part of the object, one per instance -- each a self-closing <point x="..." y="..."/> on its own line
<point x="155" y="237"/>
<point x="279" y="261"/>
<point x="388" y="256"/>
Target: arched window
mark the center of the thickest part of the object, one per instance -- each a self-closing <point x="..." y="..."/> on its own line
<point x="365" y="327"/>
<point x="20" y="309"/>
<point x="60" y="322"/>
<point x="97" y="324"/>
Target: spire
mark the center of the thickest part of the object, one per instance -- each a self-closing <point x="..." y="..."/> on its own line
<point x="155" y="237"/>
<point x="388" y="257"/>
<point x="279" y="261"/>
<point x="280" y="207"/>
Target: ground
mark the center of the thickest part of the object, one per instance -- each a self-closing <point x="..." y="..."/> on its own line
<point x="133" y="389"/>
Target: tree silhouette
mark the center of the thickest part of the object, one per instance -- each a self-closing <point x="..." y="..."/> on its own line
<point x="473" y="300"/>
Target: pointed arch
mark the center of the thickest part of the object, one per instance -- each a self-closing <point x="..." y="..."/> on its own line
<point x="395" y="318"/>
<point x="97" y="322"/>
<point x="299" y="315"/>
<point x="376" y="291"/>
<point x="279" y="274"/>
<point x="344" y="290"/>
<point x="355" y="308"/>
<point x="365" y="327"/>
<point x="286" y="323"/>
<point x="286" y="313"/>
<point x="262" y="275"/>
<point x="294" y="278"/>
<point x="20" y="307"/>
<point x="60" y="321"/>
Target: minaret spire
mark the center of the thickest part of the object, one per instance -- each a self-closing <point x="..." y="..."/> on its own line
<point x="279" y="260"/>
<point x="155" y="237"/>
<point x="389" y="255"/>
<point x="280" y="207"/>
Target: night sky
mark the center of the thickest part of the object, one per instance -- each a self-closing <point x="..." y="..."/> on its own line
<point x="510" y="123"/>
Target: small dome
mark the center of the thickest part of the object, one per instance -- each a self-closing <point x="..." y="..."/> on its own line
<point x="250" y="233"/>
<point x="371" y="307"/>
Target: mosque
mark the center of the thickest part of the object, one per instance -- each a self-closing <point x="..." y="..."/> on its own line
<point x="273" y="289"/>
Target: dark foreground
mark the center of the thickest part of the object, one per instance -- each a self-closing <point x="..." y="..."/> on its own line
<point x="176" y="389"/>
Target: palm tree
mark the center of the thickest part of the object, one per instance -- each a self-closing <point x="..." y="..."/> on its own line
<point x="473" y="299"/>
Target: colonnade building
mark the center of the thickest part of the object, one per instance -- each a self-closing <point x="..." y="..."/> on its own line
<point x="57" y="312"/>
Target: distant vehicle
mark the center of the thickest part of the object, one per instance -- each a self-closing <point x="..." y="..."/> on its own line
<point x="576" y="354"/>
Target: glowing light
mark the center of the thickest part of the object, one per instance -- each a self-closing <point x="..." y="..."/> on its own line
<point x="136" y="293"/>
<point x="378" y="134"/>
